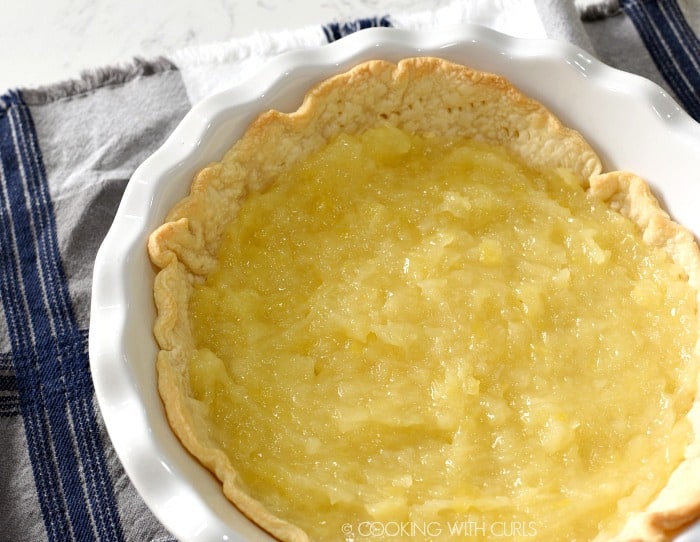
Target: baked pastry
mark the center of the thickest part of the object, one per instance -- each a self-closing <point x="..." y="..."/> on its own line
<point x="416" y="307"/>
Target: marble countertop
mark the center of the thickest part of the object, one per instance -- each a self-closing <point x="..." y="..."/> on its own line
<point x="47" y="42"/>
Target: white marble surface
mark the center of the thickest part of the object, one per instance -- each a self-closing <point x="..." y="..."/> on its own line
<point x="46" y="41"/>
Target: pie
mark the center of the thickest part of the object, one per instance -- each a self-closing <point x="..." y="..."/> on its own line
<point x="417" y="308"/>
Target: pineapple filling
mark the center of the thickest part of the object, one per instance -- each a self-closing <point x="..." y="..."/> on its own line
<point x="410" y="337"/>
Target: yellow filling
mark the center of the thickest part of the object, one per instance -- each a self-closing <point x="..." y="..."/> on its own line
<point x="414" y="338"/>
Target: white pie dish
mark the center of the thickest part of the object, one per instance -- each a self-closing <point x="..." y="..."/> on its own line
<point x="631" y="122"/>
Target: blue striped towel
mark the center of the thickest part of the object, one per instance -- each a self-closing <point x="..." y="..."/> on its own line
<point x="66" y="154"/>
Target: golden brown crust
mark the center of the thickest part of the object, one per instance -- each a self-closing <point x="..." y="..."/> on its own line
<point x="460" y="102"/>
<point x="678" y="504"/>
<point x="419" y="95"/>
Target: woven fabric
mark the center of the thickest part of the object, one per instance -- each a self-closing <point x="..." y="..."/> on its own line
<point x="66" y="154"/>
<point x="673" y="46"/>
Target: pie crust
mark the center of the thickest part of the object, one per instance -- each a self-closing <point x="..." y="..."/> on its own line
<point x="419" y="95"/>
